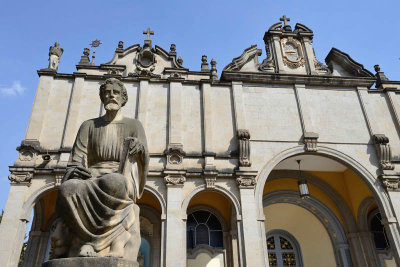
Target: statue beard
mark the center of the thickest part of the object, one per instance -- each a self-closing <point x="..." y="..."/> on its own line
<point x="112" y="107"/>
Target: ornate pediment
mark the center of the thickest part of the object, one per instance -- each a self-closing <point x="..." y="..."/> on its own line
<point x="146" y="61"/>
<point x="137" y="61"/>
<point x="287" y="52"/>
<point x="341" y="64"/>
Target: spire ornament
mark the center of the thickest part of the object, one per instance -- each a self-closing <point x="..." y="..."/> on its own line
<point x="94" y="44"/>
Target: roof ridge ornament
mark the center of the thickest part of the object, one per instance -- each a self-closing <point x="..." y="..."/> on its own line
<point x="286" y="26"/>
<point x="148" y="32"/>
<point x="94" y="44"/>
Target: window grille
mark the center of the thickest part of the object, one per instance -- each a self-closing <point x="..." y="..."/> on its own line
<point x="283" y="249"/>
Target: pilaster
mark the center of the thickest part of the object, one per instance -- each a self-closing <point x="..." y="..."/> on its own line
<point x="175" y="249"/>
<point x="207" y="117"/>
<point x="71" y="127"/>
<point x="39" y="108"/>
<point x="394" y="106"/>
<point x="278" y="54"/>
<point x="305" y="119"/>
<point x="175" y="113"/>
<point x="253" y="249"/>
<point x="238" y="105"/>
<point x="13" y="226"/>
<point x="142" y="104"/>
<point x="309" y="54"/>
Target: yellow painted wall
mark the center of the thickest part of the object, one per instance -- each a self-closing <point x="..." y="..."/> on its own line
<point x="204" y="260"/>
<point x="150" y="200"/>
<point x="314" y="241"/>
<point x="348" y="185"/>
<point x="356" y="189"/>
<point x="291" y="184"/>
<point x="216" y="201"/>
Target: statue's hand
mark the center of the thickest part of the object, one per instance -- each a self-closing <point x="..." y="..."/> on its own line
<point x="135" y="146"/>
<point x="77" y="172"/>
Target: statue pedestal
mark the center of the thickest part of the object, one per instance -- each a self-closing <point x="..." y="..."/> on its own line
<point x="90" y="262"/>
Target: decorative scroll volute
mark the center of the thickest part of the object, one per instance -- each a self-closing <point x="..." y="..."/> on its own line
<point x="383" y="151"/>
<point x="244" y="147"/>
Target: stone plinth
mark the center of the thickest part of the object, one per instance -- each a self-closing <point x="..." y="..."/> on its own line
<point x="90" y="262"/>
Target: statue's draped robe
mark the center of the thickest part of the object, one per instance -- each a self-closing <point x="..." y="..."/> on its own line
<point x="100" y="208"/>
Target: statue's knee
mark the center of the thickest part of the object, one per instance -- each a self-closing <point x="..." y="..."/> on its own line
<point x="113" y="184"/>
<point x="70" y="187"/>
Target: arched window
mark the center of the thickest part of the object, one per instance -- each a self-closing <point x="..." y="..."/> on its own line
<point x="378" y="231"/>
<point x="144" y="253"/>
<point x="283" y="249"/>
<point x="203" y="228"/>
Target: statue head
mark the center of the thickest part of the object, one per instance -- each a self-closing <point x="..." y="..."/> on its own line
<point x="113" y="94"/>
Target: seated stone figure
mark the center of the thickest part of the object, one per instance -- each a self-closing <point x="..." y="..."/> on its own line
<point x="106" y="173"/>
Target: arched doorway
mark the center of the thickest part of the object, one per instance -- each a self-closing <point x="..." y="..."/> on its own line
<point x="38" y="246"/>
<point x="334" y="178"/>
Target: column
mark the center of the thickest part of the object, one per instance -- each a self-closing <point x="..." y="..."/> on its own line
<point x="175" y="255"/>
<point x="36" y="249"/>
<point x="13" y="226"/>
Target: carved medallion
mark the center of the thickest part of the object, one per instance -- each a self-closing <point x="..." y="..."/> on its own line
<point x="292" y="53"/>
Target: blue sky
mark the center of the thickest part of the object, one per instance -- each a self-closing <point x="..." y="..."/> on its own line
<point x="367" y="30"/>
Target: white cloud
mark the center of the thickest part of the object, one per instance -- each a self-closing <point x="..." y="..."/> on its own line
<point x="15" y="89"/>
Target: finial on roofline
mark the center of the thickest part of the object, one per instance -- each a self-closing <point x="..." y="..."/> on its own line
<point x="85" y="58"/>
<point x="94" y="44"/>
<point x="380" y="76"/>
<point x="204" y="64"/>
<point x="213" y="71"/>
<point x="172" y="50"/>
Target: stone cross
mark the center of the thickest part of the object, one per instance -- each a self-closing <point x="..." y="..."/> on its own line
<point x="285" y="20"/>
<point x="148" y="32"/>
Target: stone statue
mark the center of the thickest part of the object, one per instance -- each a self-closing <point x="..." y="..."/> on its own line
<point x="55" y="53"/>
<point x="105" y="175"/>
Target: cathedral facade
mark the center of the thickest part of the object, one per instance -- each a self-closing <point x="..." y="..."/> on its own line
<point x="278" y="161"/>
